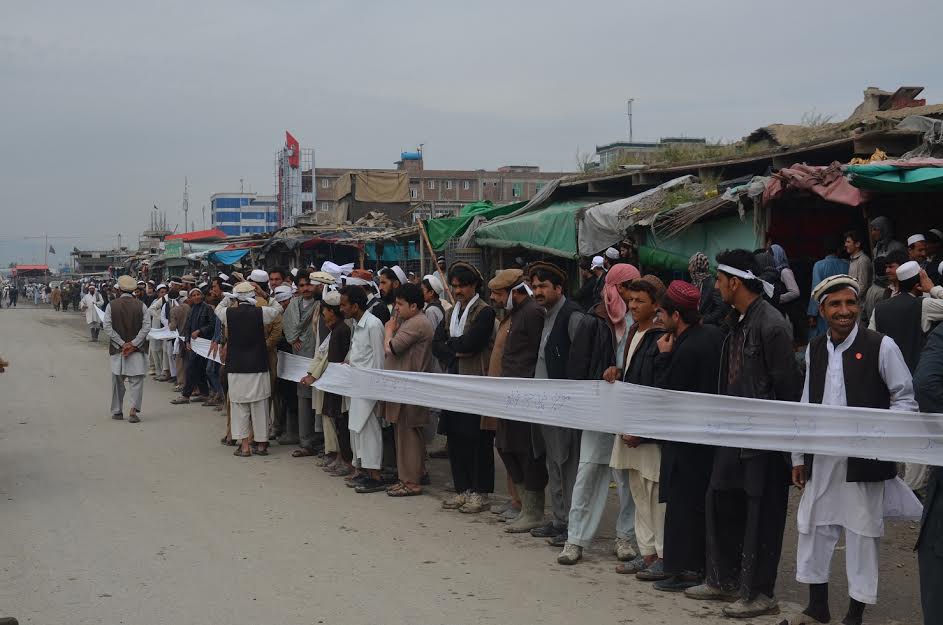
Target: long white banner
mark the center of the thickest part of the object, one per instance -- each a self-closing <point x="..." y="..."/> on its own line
<point x="660" y="414"/>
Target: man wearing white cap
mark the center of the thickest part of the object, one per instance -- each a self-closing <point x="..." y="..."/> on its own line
<point x="849" y="366"/>
<point x="90" y="303"/>
<point x="909" y="315"/>
<point x="247" y="366"/>
<point x="917" y="248"/>
<point x="127" y="324"/>
<point x="391" y="278"/>
<point x="612" y="257"/>
<point x="156" y="348"/>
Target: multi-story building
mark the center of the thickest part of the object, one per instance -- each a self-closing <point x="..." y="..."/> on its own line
<point x="244" y="213"/>
<point x="441" y="192"/>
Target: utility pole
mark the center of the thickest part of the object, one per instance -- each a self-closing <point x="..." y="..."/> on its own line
<point x="186" y="202"/>
<point x="629" y="103"/>
<point x="204" y="216"/>
<point x="119" y="241"/>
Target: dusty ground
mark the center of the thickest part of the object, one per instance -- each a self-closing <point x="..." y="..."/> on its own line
<point x="108" y="522"/>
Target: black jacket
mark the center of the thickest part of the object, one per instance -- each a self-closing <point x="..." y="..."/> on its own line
<point x="641" y="369"/>
<point x="928" y="386"/>
<point x="593" y="348"/>
<point x="201" y="318"/>
<point x="712" y="307"/>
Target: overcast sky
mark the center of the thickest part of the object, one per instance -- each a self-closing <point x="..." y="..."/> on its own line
<point x="107" y="105"/>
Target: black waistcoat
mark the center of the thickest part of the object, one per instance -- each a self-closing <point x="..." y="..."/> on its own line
<point x="557" y="349"/>
<point x="246" y="352"/>
<point x="864" y="388"/>
<point x="899" y="318"/>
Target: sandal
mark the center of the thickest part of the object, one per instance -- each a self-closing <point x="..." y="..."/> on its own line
<point x="402" y="490"/>
<point x="180" y="400"/>
<point x="302" y="452"/>
<point x="242" y="454"/>
<point x="260" y="451"/>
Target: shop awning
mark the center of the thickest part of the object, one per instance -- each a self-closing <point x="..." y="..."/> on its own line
<point x="551" y="230"/>
<point x="227" y="257"/>
<point x="444" y="228"/>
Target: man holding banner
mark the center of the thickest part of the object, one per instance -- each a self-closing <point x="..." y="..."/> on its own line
<point x="850" y="366"/>
<point x="748" y="493"/>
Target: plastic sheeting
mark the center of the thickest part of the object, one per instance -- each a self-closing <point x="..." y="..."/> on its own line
<point x="443" y="229"/>
<point x="227" y="257"/>
<point x="550" y="230"/>
<point x="829" y="183"/>
<point x="659" y="414"/>
<point x="710" y="237"/>
<point x="898" y="177"/>
<point x="386" y="187"/>
<point x="602" y="225"/>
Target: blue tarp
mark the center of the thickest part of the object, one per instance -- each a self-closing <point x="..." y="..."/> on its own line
<point x="227" y="257"/>
<point x="392" y="252"/>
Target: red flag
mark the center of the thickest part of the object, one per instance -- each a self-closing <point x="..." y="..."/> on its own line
<point x="294" y="150"/>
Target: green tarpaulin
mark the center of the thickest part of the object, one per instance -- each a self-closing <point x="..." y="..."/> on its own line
<point x="893" y="179"/>
<point x="710" y="237"/>
<point x="550" y="230"/>
<point x="445" y="228"/>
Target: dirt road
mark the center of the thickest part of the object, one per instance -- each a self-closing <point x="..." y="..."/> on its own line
<point x="105" y="522"/>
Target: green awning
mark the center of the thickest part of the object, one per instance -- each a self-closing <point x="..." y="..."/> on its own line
<point x="894" y="179"/>
<point x="711" y="237"/>
<point x="550" y="230"/>
<point x="444" y="228"/>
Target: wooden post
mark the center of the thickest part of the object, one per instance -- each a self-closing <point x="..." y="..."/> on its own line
<point x="445" y="283"/>
<point x="363" y="255"/>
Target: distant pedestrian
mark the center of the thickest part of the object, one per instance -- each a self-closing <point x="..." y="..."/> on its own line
<point x="127" y="324"/>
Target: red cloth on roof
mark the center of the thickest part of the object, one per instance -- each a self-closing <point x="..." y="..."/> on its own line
<point x="197" y="235"/>
<point x="827" y="182"/>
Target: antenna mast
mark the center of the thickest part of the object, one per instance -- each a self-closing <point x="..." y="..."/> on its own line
<point x="186" y="202"/>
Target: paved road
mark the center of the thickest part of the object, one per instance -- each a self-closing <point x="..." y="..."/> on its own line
<point x="114" y="523"/>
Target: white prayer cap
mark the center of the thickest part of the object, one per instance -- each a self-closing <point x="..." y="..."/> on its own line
<point x="357" y="282"/>
<point x="223" y="277"/>
<point x="282" y="293"/>
<point x="937" y="233"/>
<point x="203" y="285"/>
<point x="190" y="292"/>
<point x="915" y="238"/>
<point x="597" y="262"/>
<point x="435" y="283"/>
<point x="834" y="283"/>
<point x="332" y="297"/>
<point x="908" y="270"/>
<point x="259" y="276"/>
<point x="400" y="274"/>
<point x="940" y="269"/>
<point x="161" y="286"/>
<point x="141" y="283"/>
<point x="337" y="270"/>
<point x="612" y="253"/>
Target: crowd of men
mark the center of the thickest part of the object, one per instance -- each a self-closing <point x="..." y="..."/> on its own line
<point x="703" y="521"/>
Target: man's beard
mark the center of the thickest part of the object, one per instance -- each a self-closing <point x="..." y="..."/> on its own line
<point x="388" y="298"/>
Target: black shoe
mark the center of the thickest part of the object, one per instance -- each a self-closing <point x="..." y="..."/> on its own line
<point x="118" y="417"/>
<point x="545" y="531"/>
<point x="370" y="485"/>
<point x="677" y="583"/>
<point x="559" y="540"/>
<point x="357" y="481"/>
<point x="425" y="480"/>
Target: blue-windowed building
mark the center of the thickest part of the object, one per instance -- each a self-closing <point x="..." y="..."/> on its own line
<point x="244" y="213"/>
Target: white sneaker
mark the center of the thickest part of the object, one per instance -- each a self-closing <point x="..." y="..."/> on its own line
<point x="759" y="606"/>
<point x="474" y="503"/>
<point x="624" y="550"/>
<point x="571" y="554"/>
<point x="455" y="502"/>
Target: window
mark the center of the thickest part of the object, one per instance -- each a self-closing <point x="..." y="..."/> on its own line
<point x="538" y="187"/>
<point x="466" y="185"/>
<point x="324" y="206"/>
<point x="253" y="215"/>
<point x="413" y="192"/>
<point x="517" y="189"/>
<point x="228" y="217"/>
<point x="432" y="184"/>
<point x="226" y="202"/>
<point x="325" y="183"/>
<point x="448" y="185"/>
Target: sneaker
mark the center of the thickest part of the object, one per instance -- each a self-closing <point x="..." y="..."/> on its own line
<point x="759" y="606"/>
<point x="455" y="502"/>
<point x="706" y="592"/>
<point x="133" y="419"/>
<point x="571" y="554"/>
<point x="559" y="540"/>
<point x="633" y="567"/>
<point x="475" y="503"/>
<point x="545" y="531"/>
<point x="623" y="550"/>
<point x="370" y="485"/>
<point x="501" y="508"/>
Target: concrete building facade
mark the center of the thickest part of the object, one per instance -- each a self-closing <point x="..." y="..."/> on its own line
<point x="442" y="192"/>
<point x="244" y="213"/>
